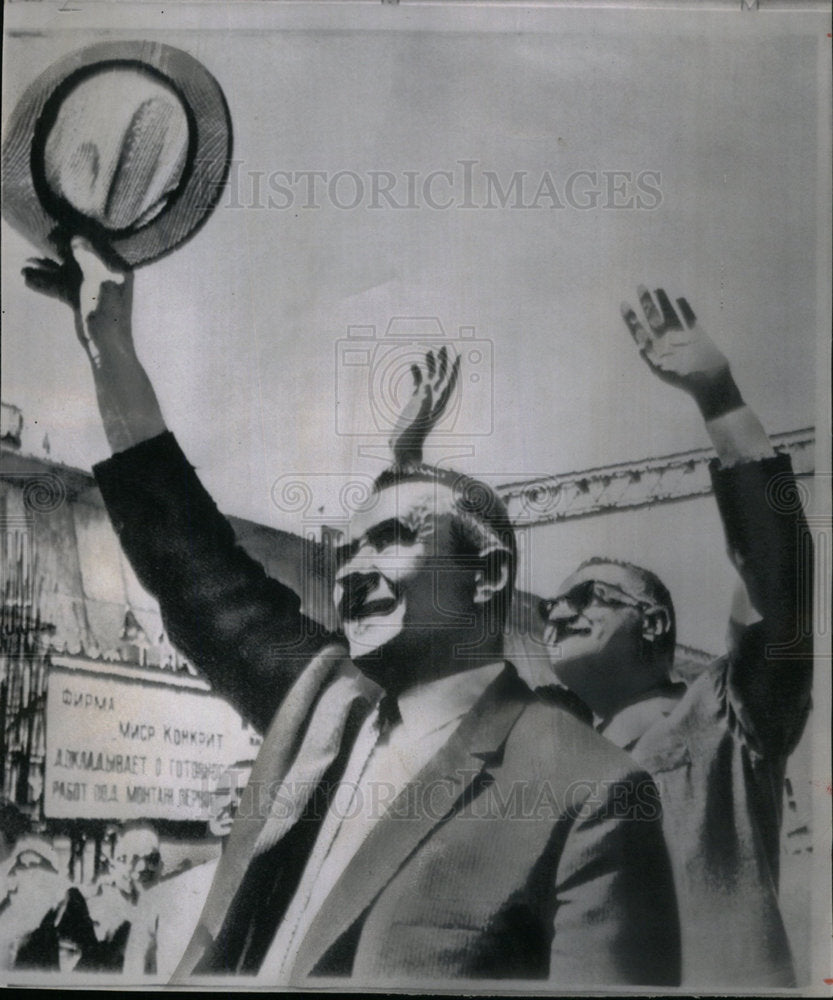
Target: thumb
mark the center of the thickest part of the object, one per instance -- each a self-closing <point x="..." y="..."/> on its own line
<point x="92" y="265"/>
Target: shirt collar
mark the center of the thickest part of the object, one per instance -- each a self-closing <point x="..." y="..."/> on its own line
<point x="426" y="708"/>
<point x="630" y="724"/>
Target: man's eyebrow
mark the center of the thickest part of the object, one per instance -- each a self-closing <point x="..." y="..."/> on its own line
<point x="391" y="530"/>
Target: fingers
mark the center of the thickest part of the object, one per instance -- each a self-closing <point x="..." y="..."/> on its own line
<point x="443" y="359"/>
<point x="447" y="377"/>
<point x="670" y="319"/>
<point x="637" y="330"/>
<point x="436" y="369"/>
<point x="60" y="281"/>
<point x="663" y="317"/>
<point x="63" y="279"/>
<point x="44" y="263"/>
<point x="42" y="279"/>
<point x="455" y="371"/>
<point x="649" y="308"/>
<point x="92" y="264"/>
<point x="445" y="395"/>
<point x="686" y="312"/>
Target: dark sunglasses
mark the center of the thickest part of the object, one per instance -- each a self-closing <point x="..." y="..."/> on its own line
<point x="152" y="859"/>
<point x="606" y="595"/>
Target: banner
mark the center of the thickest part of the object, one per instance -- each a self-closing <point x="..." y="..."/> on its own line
<point x="120" y="749"/>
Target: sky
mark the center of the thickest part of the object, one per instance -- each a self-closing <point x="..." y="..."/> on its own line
<point x="539" y="163"/>
<point x="645" y="147"/>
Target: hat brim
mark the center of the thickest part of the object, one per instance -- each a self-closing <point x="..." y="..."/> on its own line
<point x="49" y="221"/>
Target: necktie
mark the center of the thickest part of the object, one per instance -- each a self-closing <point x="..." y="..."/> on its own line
<point x="289" y="831"/>
<point x="388" y="714"/>
<point x="334" y="846"/>
<point x="319" y="748"/>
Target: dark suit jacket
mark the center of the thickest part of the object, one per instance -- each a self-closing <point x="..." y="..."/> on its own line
<point x="719" y="756"/>
<point x="528" y="847"/>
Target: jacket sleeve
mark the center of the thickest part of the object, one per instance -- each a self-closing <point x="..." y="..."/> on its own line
<point x="769" y="670"/>
<point x="242" y="629"/>
<point x="616" y="921"/>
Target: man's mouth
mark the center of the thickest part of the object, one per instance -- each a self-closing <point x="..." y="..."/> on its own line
<point x="372" y="609"/>
<point x="374" y="597"/>
<point x="556" y="634"/>
<point x="568" y="630"/>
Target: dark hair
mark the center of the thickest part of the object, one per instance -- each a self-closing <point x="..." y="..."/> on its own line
<point x="479" y="518"/>
<point x="657" y="591"/>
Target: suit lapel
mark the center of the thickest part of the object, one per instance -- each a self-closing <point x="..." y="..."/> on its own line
<point x="454" y="770"/>
<point x="276" y="754"/>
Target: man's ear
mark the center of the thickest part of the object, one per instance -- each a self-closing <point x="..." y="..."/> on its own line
<point x="493" y="577"/>
<point x="656" y="622"/>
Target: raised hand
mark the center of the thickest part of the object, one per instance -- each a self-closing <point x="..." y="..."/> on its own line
<point x="61" y="281"/>
<point x="434" y="382"/>
<point x="100" y="296"/>
<point x="677" y="349"/>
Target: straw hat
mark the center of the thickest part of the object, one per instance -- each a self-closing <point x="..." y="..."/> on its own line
<point x="127" y="143"/>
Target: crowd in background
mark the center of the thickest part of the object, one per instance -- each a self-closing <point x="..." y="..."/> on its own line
<point x="121" y="921"/>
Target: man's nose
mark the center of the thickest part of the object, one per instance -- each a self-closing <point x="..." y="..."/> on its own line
<point x="363" y="560"/>
<point x="561" y="610"/>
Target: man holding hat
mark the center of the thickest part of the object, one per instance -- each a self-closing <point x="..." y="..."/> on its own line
<point x="415" y="813"/>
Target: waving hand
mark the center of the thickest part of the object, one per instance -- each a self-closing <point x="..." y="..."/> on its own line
<point x="434" y="382"/>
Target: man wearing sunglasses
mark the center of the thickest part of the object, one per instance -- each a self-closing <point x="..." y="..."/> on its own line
<point x="415" y="812"/>
<point x="602" y="613"/>
<point x="718" y="748"/>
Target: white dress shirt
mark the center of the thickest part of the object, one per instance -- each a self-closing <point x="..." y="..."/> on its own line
<point x="379" y="768"/>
